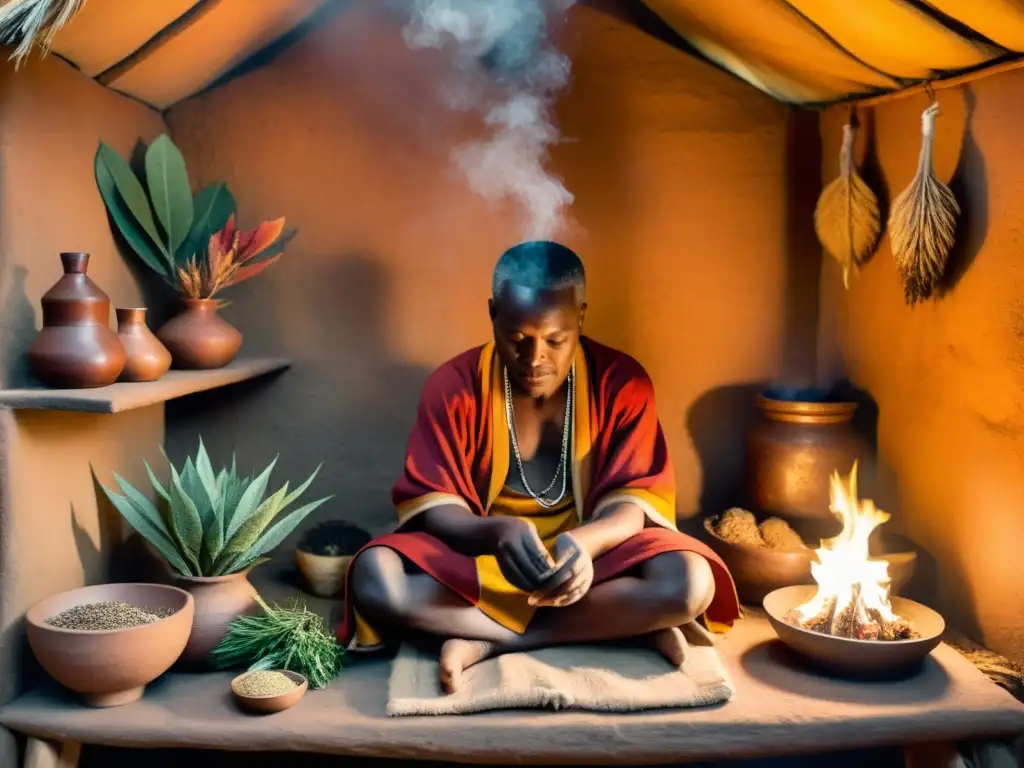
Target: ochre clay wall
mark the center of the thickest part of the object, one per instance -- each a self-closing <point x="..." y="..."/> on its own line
<point x="948" y="376"/>
<point x="54" y="535"/>
<point x="685" y="206"/>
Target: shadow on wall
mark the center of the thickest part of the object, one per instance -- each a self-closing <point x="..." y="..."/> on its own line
<point x="17" y="330"/>
<point x="350" y="403"/>
<point x="970" y="187"/>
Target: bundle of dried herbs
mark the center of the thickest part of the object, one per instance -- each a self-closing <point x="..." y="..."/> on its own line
<point x="289" y="638"/>
<point x="922" y="223"/>
<point x="847" y="219"/>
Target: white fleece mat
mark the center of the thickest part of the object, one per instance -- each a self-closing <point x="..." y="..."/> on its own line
<point x="598" y="678"/>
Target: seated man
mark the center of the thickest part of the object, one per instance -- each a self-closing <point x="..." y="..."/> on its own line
<point x="537" y="504"/>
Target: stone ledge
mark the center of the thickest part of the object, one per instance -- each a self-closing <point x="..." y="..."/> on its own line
<point x="779" y="709"/>
<point x="124" y="396"/>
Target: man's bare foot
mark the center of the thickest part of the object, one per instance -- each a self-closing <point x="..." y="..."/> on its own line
<point x="457" y="656"/>
<point x="671" y="644"/>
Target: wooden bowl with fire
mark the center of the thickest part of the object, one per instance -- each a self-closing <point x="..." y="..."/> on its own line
<point x="847" y="622"/>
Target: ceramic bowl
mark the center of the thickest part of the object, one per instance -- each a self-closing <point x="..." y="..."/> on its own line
<point x="273" y="703"/>
<point x="325" y="574"/>
<point x="759" y="571"/>
<point x="111" y="667"/>
<point x="856" y="658"/>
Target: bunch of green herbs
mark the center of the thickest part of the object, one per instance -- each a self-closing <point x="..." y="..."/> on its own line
<point x="289" y="638"/>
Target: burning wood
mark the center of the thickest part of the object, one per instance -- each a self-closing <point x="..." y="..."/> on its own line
<point x="852" y="600"/>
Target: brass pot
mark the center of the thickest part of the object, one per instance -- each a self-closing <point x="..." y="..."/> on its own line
<point x="792" y="451"/>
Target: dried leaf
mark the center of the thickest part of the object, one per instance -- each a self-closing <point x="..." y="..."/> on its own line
<point x="260" y="239"/>
<point x="847" y="219"/>
<point x="922" y="224"/>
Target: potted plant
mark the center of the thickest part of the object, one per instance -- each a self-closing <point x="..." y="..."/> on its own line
<point x="190" y="242"/>
<point x="214" y="529"/>
<point x="324" y="553"/>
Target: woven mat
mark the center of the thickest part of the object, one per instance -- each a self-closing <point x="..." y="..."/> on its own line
<point x="599" y="678"/>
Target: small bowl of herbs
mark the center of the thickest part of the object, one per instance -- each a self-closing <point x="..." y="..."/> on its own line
<point x="268" y="690"/>
<point x="323" y="555"/>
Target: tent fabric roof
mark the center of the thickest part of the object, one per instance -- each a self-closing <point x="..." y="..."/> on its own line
<point x="803" y="52"/>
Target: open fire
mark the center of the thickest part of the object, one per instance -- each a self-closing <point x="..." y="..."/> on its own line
<point x="852" y="600"/>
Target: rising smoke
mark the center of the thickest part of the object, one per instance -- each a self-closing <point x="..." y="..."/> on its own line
<point x="509" y="42"/>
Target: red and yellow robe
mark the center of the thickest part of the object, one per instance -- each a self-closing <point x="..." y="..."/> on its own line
<point x="458" y="453"/>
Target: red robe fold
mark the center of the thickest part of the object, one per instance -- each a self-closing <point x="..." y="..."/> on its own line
<point x="458" y="453"/>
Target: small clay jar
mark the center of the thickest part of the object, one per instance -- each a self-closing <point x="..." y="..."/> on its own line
<point x="148" y="359"/>
<point x="199" y="338"/>
<point x="76" y="347"/>
<point x="219" y="600"/>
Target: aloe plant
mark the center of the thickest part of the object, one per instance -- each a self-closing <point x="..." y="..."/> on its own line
<point x="212" y="524"/>
<point x="158" y="216"/>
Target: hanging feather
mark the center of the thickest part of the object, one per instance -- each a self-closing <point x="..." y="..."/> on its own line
<point x="32" y="22"/>
<point x="846" y="218"/>
<point x="922" y="224"/>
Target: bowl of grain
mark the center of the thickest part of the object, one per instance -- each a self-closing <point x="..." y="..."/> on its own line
<point x="268" y="690"/>
<point x="107" y="642"/>
<point x="761" y="557"/>
<point x="766" y="556"/>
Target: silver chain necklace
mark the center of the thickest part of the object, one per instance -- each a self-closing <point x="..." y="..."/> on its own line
<point x="563" y="461"/>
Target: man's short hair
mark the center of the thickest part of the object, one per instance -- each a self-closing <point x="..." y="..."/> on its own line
<point x="539" y="265"/>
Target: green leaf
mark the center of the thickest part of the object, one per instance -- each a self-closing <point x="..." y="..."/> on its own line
<point x="170" y="191"/>
<point x="206" y="476"/>
<point x="302" y="488"/>
<point x="213" y="206"/>
<point x="156" y="483"/>
<point x="186" y="521"/>
<point x="129" y="227"/>
<point x="248" y="503"/>
<point x="284" y="526"/>
<point x="146" y="520"/>
<point x="250" y="531"/>
<point x="134" y="196"/>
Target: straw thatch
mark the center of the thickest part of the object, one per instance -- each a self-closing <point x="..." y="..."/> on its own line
<point x="27" y="23"/>
<point x="922" y="223"/>
<point x="847" y="218"/>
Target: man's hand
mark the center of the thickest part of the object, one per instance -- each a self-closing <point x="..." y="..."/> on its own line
<point x="571" y="581"/>
<point x="521" y="554"/>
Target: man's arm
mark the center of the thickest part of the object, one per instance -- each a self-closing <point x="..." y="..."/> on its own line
<point x="458" y="528"/>
<point x="610" y="528"/>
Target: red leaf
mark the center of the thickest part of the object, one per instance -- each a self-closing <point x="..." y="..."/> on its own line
<point x="259" y="239"/>
<point x="244" y="273"/>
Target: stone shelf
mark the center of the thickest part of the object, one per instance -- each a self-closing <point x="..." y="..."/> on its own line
<point x="779" y="708"/>
<point x="124" y="396"/>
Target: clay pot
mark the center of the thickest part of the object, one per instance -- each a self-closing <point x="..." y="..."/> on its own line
<point x="792" y="451"/>
<point x="219" y="600"/>
<point x="76" y="347"/>
<point x="199" y="338"/>
<point x="148" y="359"/>
<point x="112" y="667"/>
<point x="325" y="574"/>
<point x="279" y="702"/>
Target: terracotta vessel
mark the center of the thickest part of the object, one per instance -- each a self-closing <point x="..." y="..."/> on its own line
<point x="219" y="600"/>
<point x="325" y="574"/>
<point x="792" y="451"/>
<point x="274" y="703"/>
<point x="76" y="347"/>
<point x="858" y="659"/>
<point x="199" y="338"/>
<point x="111" y="667"/>
<point x="148" y="359"/>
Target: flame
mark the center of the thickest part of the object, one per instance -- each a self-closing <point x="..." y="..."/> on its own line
<point x="844" y="571"/>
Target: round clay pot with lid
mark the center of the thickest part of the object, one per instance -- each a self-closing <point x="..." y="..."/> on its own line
<point x="199" y="338"/>
<point x="76" y="348"/>
<point x="218" y="601"/>
<point x="794" y="447"/>
<point x="148" y="359"/>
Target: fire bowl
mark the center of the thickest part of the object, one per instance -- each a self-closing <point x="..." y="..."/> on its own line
<point x="856" y="658"/>
<point x="758" y="571"/>
<point x="111" y="667"/>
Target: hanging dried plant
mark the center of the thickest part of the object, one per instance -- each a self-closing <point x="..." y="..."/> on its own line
<point x="922" y="224"/>
<point x="34" y="22"/>
<point x="846" y="218"/>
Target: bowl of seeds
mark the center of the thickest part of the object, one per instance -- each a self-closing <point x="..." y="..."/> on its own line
<point x="107" y="642"/>
<point x="268" y="690"/>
